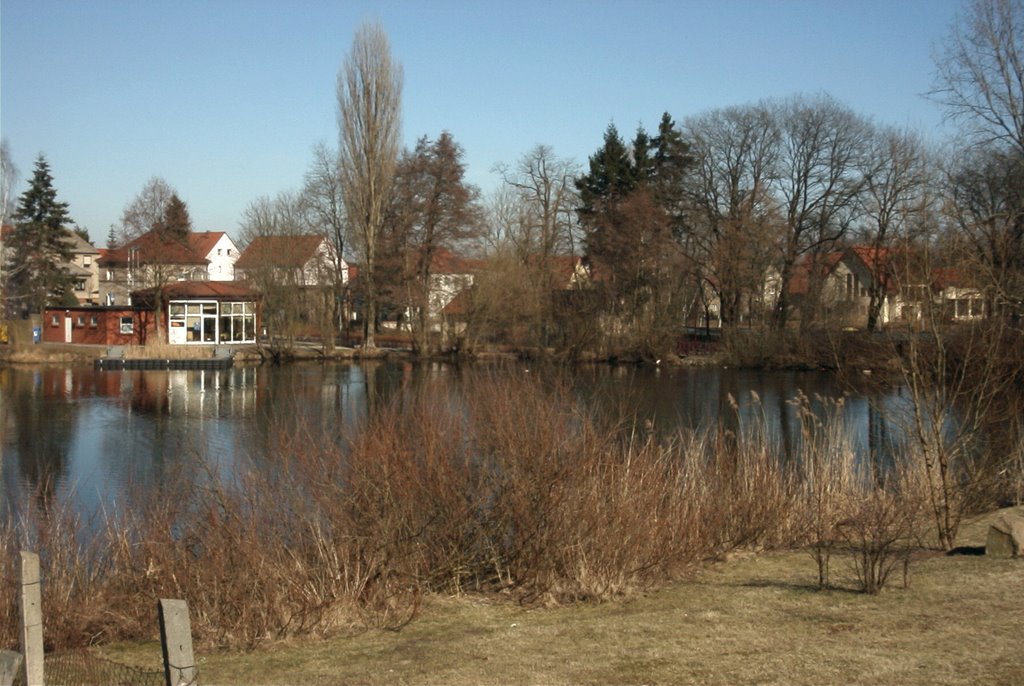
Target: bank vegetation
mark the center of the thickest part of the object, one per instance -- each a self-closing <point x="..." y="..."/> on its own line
<point x="504" y="488"/>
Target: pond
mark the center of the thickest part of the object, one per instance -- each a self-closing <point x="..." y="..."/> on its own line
<point x="89" y="437"/>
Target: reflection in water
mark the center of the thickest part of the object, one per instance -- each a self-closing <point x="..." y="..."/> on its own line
<point x="96" y="436"/>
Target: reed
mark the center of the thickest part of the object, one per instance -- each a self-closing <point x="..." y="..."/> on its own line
<point x="501" y="485"/>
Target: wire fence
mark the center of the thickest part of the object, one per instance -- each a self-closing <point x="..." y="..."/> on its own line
<point x="81" y="668"/>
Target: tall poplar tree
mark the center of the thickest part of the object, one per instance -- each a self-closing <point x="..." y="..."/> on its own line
<point x="39" y="246"/>
<point x="369" y="129"/>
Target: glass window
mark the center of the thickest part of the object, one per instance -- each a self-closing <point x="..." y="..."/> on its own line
<point x="80" y="320"/>
<point x="94" y="321"/>
<point x="55" y="320"/>
<point x="127" y="325"/>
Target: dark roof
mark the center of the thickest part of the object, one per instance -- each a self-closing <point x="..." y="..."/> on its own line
<point x="198" y="290"/>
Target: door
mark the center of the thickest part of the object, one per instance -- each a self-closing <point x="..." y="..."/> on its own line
<point x="67" y="328"/>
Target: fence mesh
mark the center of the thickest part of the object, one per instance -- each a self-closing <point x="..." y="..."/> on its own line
<point x="80" y="668"/>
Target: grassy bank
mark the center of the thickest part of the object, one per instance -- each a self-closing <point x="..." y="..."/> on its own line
<point x="506" y="494"/>
<point x="753" y="619"/>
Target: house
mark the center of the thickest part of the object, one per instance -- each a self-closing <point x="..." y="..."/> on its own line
<point x="306" y="261"/>
<point x="189" y="312"/>
<point x="154" y="259"/>
<point x="84" y="267"/>
<point x="450" y="274"/>
<point x="302" y="279"/>
<point x="203" y="312"/>
<point x="98" y="325"/>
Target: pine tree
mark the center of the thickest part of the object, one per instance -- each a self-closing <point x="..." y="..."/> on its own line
<point x="176" y="222"/>
<point x="611" y="175"/>
<point x="39" y="247"/>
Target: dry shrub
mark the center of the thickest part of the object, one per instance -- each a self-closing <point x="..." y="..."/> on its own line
<point x="500" y="484"/>
<point x="882" y="525"/>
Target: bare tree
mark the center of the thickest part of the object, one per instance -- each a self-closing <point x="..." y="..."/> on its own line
<point x="434" y="211"/>
<point x="369" y="95"/>
<point x="820" y="176"/>
<point x="729" y="193"/>
<point x="896" y="201"/>
<point x="145" y="211"/>
<point x="980" y="81"/>
<point x="543" y="184"/>
<point x="274" y="262"/>
<point x="980" y="73"/>
<point x="985" y="193"/>
<point x="8" y="177"/>
<point x="322" y="195"/>
<point x="536" y="210"/>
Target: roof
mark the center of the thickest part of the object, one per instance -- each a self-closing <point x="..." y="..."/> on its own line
<point x="460" y="304"/>
<point x="820" y="264"/>
<point x="280" y="251"/>
<point x="79" y="244"/>
<point x="152" y="248"/>
<point x="75" y="270"/>
<point x="198" y="290"/>
<point x="446" y="262"/>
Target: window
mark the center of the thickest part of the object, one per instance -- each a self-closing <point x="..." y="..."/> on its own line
<point x="218" y="251"/>
<point x="79" y="284"/>
<point x="229" y="251"/>
<point x="127" y="325"/>
<point x="55" y="320"/>
<point x="80" y="320"/>
<point x="109" y="275"/>
<point x="94" y="321"/>
<point x="87" y="260"/>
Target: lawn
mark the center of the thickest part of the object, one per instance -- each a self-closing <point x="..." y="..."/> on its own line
<point x="754" y="619"/>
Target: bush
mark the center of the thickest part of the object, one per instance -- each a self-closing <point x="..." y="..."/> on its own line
<point x="498" y="485"/>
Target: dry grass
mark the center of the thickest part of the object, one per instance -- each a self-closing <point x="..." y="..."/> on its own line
<point x="506" y="495"/>
<point x="754" y="619"/>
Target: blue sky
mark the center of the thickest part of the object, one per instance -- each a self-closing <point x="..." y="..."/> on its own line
<point x="226" y="98"/>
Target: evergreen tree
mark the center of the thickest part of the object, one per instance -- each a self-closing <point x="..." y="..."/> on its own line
<point x="671" y="161"/>
<point x="176" y="222"/>
<point x="630" y="206"/>
<point x="39" y="246"/>
<point x="611" y="175"/>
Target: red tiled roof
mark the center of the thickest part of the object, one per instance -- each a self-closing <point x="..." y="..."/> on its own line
<point x="459" y="305"/>
<point x="151" y="248"/>
<point x="279" y="251"/>
<point x="446" y="262"/>
<point x="820" y="264"/>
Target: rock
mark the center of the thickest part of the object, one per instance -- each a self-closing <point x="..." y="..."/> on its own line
<point x="1006" y="536"/>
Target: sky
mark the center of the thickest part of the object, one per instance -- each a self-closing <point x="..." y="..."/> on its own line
<point x="225" y="99"/>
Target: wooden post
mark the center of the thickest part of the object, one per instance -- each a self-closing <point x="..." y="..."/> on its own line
<point x="30" y="600"/>
<point x="176" y="642"/>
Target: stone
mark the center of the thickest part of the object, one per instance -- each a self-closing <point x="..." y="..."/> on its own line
<point x="1006" y="536"/>
<point x="10" y="666"/>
